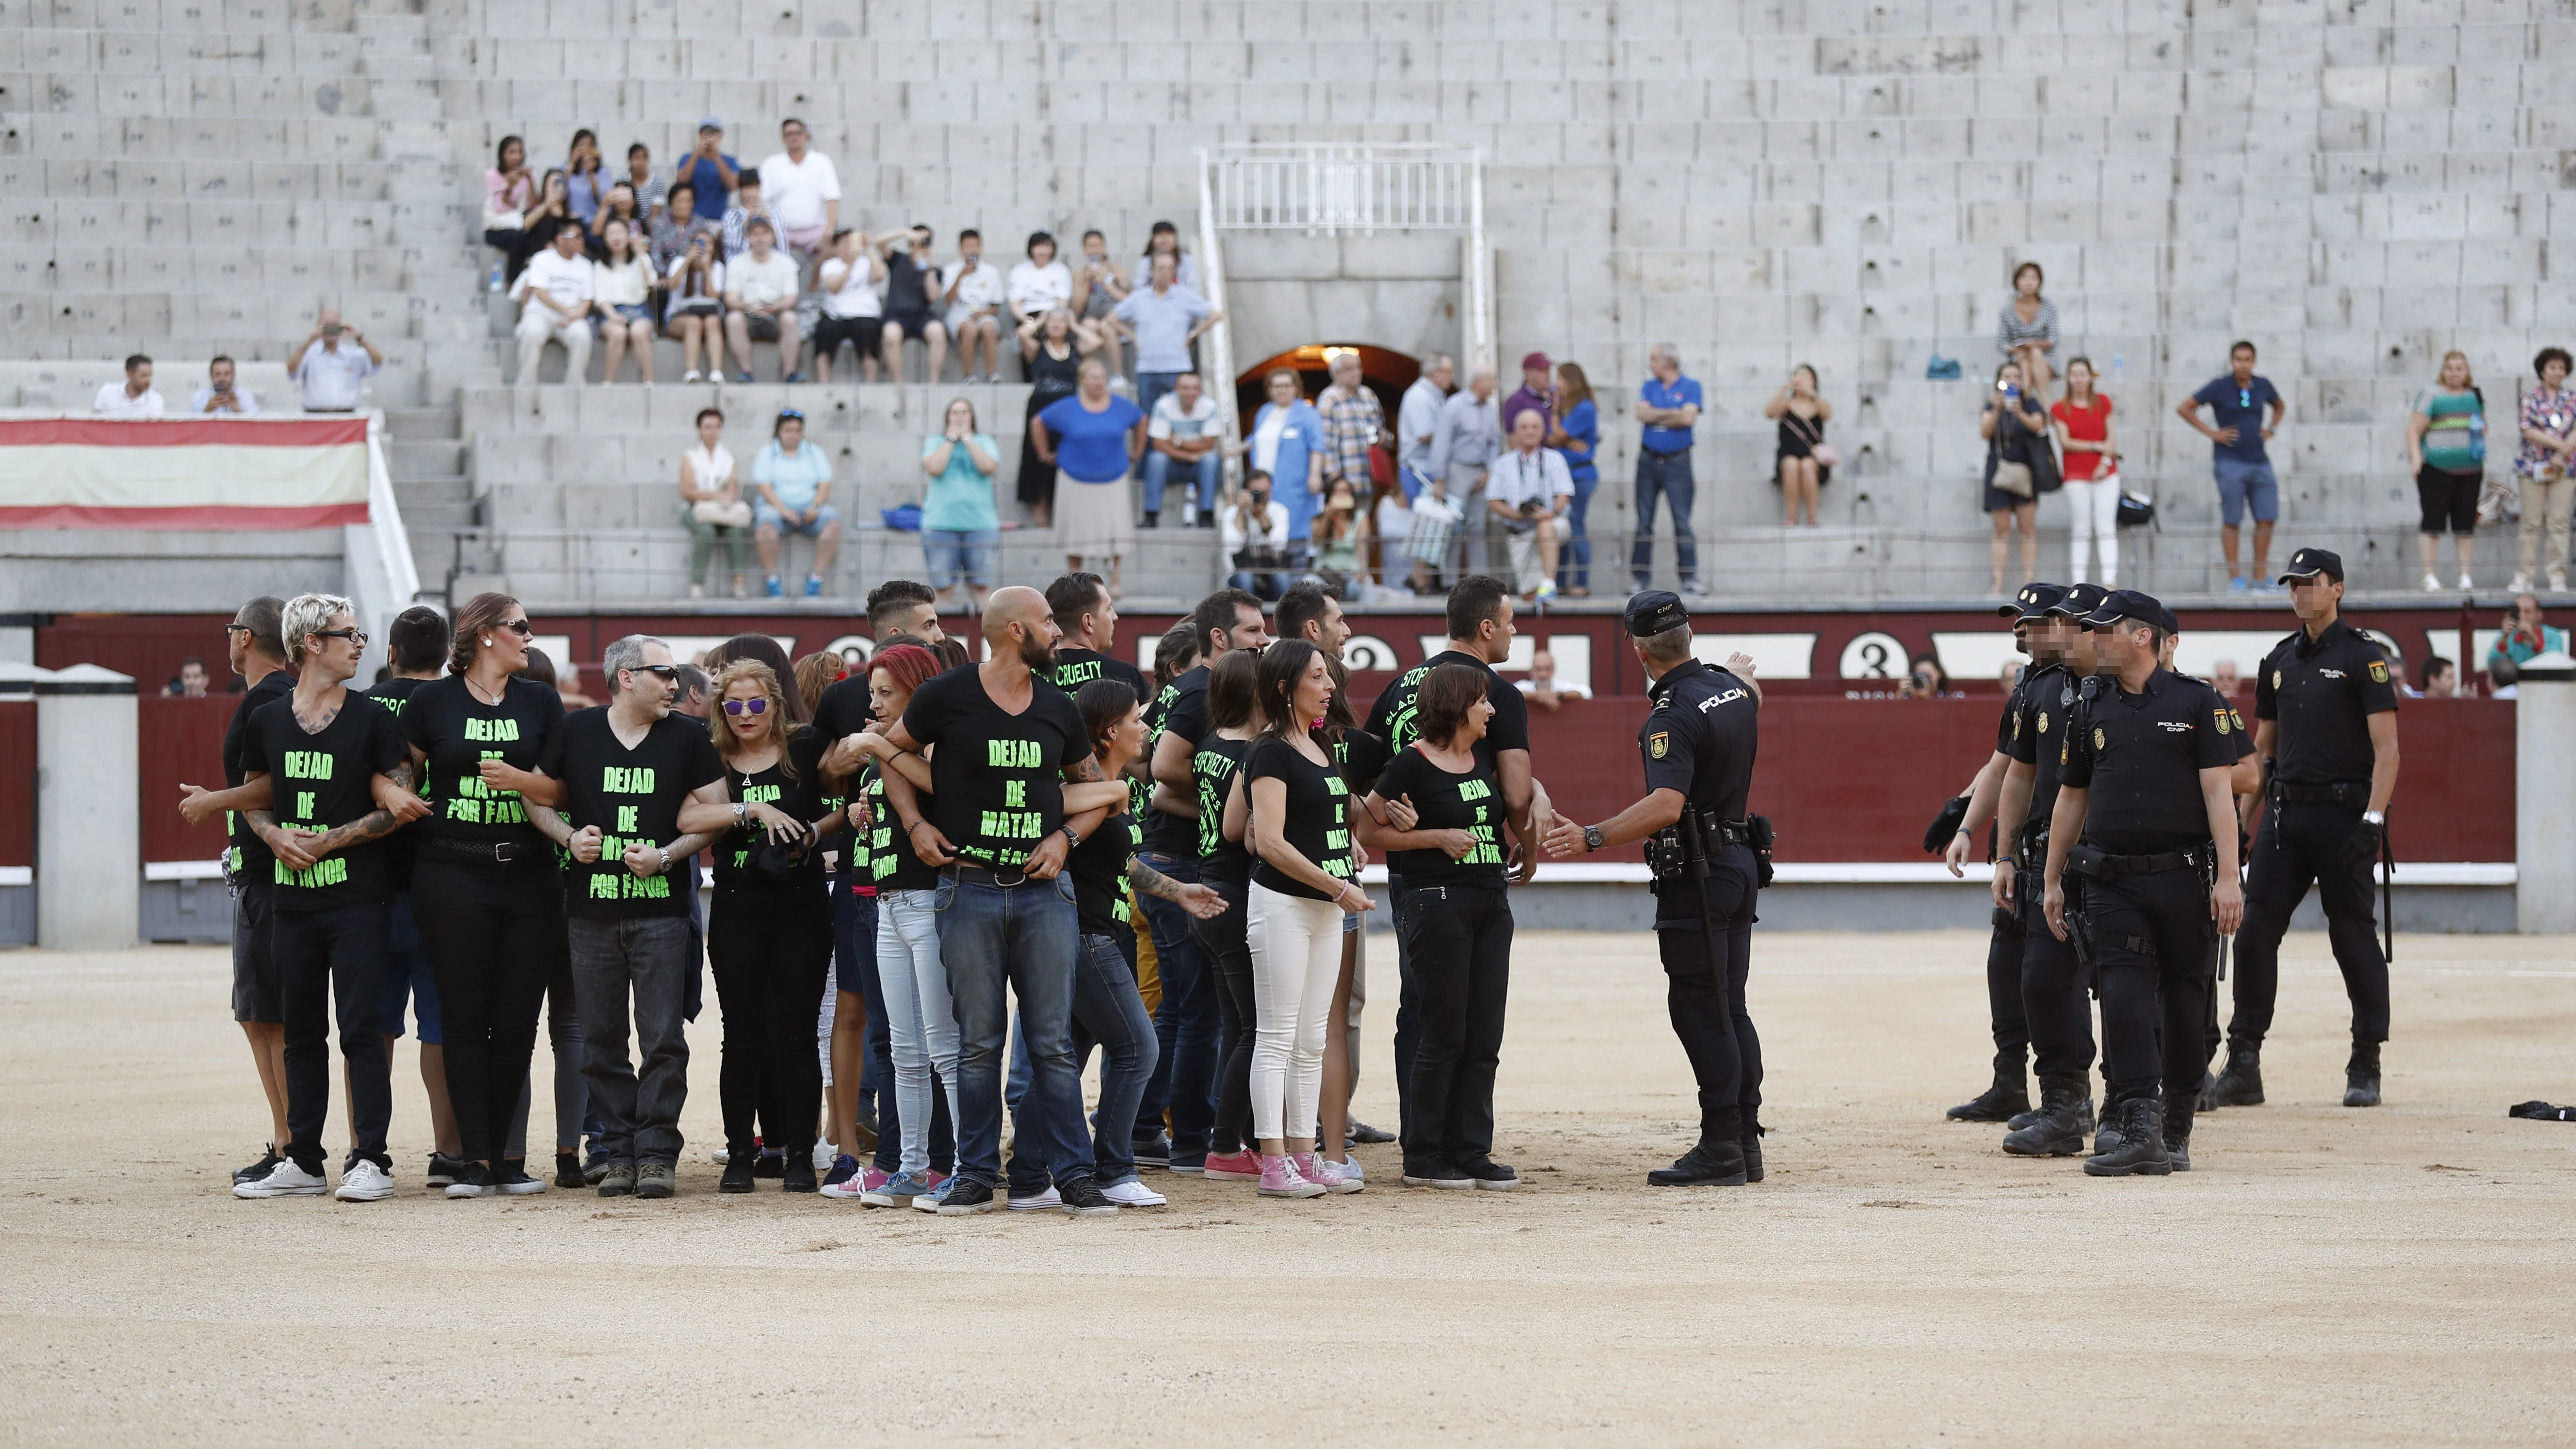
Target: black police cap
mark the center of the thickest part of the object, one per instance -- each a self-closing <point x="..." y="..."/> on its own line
<point x="2033" y="602"/>
<point x="2130" y="604"/>
<point x="1655" y="611"/>
<point x="2078" y="601"/>
<point x="2307" y="563"/>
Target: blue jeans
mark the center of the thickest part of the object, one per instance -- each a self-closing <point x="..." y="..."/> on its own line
<point x="949" y="553"/>
<point x="1108" y="1013"/>
<point x="855" y="943"/>
<point x="921" y="1023"/>
<point x="995" y="940"/>
<point x="1667" y="475"/>
<point x="1158" y="471"/>
<point x="1574" y="560"/>
<point x="1150" y="388"/>
<point x="1188" y="1024"/>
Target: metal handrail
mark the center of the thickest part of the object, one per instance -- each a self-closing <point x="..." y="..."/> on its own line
<point x="1338" y="188"/>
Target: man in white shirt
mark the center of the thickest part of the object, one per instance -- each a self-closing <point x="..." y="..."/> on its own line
<point x="331" y="364"/>
<point x="1526" y="494"/>
<point x="133" y="398"/>
<point x="803" y="190"/>
<point x="555" y="295"/>
<point x="1182" y="434"/>
<point x="219" y="398"/>
<point x="975" y="296"/>
<point x="852" y="310"/>
<point x="1417" y="419"/>
<point x="760" y="302"/>
<point x="1543" y="689"/>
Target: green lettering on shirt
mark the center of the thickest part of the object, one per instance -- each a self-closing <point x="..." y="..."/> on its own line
<point x="626" y="779"/>
<point x="330" y="870"/>
<point x="481" y="730"/>
<point x="626" y="823"/>
<point x="1014" y="755"/>
<point x="308" y="765"/>
<point x="1474" y="790"/>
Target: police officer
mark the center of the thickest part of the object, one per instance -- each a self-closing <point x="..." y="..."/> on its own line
<point x="1698" y="745"/>
<point x="2146" y="819"/>
<point x="2325" y="727"/>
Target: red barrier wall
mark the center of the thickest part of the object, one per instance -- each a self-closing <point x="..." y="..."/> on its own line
<point x="180" y="741"/>
<point x="18" y="783"/>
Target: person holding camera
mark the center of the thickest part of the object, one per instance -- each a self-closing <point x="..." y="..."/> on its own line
<point x="1527" y="492"/>
<point x="333" y="360"/>
<point x="1255" y="536"/>
<point x="219" y="397"/>
<point x="2014" y="425"/>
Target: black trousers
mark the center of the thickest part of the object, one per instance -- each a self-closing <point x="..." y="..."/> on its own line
<point x="327" y="958"/>
<point x="771" y="951"/>
<point x="1704" y="930"/>
<point x="2155" y="1000"/>
<point x="1460" y="941"/>
<point x="2053" y="998"/>
<point x="1408" y="1015"/>
<point x="2004" y="1012"/>
<point x="495" y="933"/>
<point x="2300" y="845"/>
<point x="1229" y="951"/>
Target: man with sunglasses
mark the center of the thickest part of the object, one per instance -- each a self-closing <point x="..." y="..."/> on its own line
<point x="2243" y="471"/>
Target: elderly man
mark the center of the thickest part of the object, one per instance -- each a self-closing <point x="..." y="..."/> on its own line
<point x="760" y="301"/>
<point x="1528" y="495"/>
<point x="1463" y="449"/>
<point x="1353" y="421"/>
<point x="1669" y="405"/>
<point x="1537" y="392"/>
<point x="1418" y="419"/>
<point x="555" y="298"/>
<point x="219" y="398"/>
<point x="333" y="361"/>
<point x="133" y="398"/>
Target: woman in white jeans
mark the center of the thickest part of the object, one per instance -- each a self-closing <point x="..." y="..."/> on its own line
<point x="2084" y="440"/>
<point x="1303" y="883"/>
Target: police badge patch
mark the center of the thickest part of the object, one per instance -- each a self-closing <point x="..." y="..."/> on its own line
<point x="2379" y="671"/>
<point x="2276" y="679"/>
<point x="2222" y="715"/>
<point x="1658" y="745"/>
<point x="2043" y="721"/>
<point x="2100" y="742"/>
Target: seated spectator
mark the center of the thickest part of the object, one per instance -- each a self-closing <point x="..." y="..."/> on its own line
<point x="1182" y="434"/>
<point x="791" y="482"/>
<point x="618" y="205"/>
<point x="2504" y="681"/>
<point x="1165" y="241"/>
<point x="1039" y="284"/>
<point x="2440" y="680"/>
<point x="912" y="284"/>
<point x="2026" y="333"/>
<point x="1341" y="531"/>
<point x="555" y="295"/>
<point x="1527" y="495"/>
<point x="1541" y="686"/>
<point x="584" y="187"/>
<point x="961" y="530"/>
<point x="760" y="300"/>
<point x="1098" y="286"/>
<point x="624" y="285"/>
<point x="1054" y="366"/>
<point x="1925" y="679"/>
<point x="2224" y="678"/>
<point x="1393" y="525"/>
<point x="2526" y="634"/>
<point x="219" y="398"/>
<point x="677" y="222"/>
<point x="712" y="507"/>
<point x="749" y="204"/>
<point x="2010" y="675"/>
<point x="651" y="191"/>
<point x="508" y="193"/>
<point x="973" y="292"/>
<point x="803" y="191"/>
<point x="693" y="301"/>
<point x="553" y="208"/>
<point x="191" y="683"/>
<point x="332" y="364"/>
<point x="133" y="398"/>
<point x="1801" y="413"/>
<point x="852" y="309"/>
<point x="567" y="684"/>
<point x="1254" y="535"/>
<point x="709" y="170"/>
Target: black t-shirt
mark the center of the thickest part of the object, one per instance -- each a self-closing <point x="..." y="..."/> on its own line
<point x="845" y="708"/>
<point x="1362" y="757"/>
<point x="633" y="796"/>
<point x="1213" y="770"/>
<point x="1392" y="718"/>
<point x="999" y="791"/>
<point x="1075" y="668"/>
<point x="1701" y="737"/>
<point x="890" y="859"/>
<point x="1099" y="869"/>
<point x="803" y="797"/>
<point x="456" y="733"/>
<point x="1318" y="818"/>
<point x="2320" y="695"/>
<point x="322" y="782"/>
<point x="2034" y="731"/>
<point x="1472" y="802"/>
<point x="2140" y="756"/>
<point x="249" y="856"/>
<point x="1181" y="709"/>
<point x="402" y="848"/>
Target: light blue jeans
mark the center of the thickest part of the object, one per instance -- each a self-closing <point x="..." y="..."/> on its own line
<point x="921" y="1024"/>
<point x="1107" y="1013"/>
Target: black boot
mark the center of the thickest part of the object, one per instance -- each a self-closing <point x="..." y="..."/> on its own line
<point x="1752" y="1143"/>
<point x="799" y="1170"/>
<point x="2241" y="1085"/>
<point x="2361" y="1075"/>
<point x="2178" y="1139"/>
<point x="1710" y="1164"/>
<point x="2142" y="1142"/>
<point x="738" y="1169"/>
<point x="2009" y="1096"/>
<point x="2057" y="1129"/>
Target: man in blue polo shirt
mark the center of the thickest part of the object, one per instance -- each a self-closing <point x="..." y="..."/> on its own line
<point x="1668" y="405"/>
<point x="710" y="173"/>
<point x="2242" y="469"/>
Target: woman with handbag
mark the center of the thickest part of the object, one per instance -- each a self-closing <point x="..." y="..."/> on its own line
<point x="1804" y="461"/>
<point x="712" y="507"/>
<point x="2548" y="448"/>
<point x="2013" y="426"/>
<point x="2092" y="471"/>
<point x="2446" y="443"/>
<point x="508" y="192"/>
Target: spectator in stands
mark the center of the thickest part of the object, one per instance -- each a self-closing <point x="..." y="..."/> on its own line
<point x="2526" y="634"/>
<point x="1801" y="411"/>
<point x="617" y="205"/>
<point x="1924" y="679"/>
<point x="1288" y="443"/>
<point x="584" y="187"/>
<point x="2026" y="332"/>
<point x="623" y="287"/>
<point x="2441" y="678"/>
<point x="750" y="203"/>
<point x="1165" y="241"/>
<point x="912" y="278"/>
<point x="332" y="365"/>
<point x="1162" y="319"/>
<point x="2548" y="448"/>
<point x="973" y="292"/>
<point x="2446" y="444"/>
<point x="1541" y="686"/>
<point x="1093" y="438"/>
<point x="1098" y="286"/>
<point x="553" y="208"/>
<point x="1463" y="449"/>
<point x="1341" y="535"/>
<point x="1537" y="390"/>
<point x="1254" y="536"/>
<point x="2237" y="403"/>
<point x="191" y="683"/>
<point x="712" y="507"/>
<point x="2013" y="424"/>
<point x="2089" y="454"/>
<point x="961" y="530"/>
<point x="1575" y="434"/>
<point x="791" y="483"/>
<point x="760" y="300"/>
<point x="693" y="299"/>
<point x="2504" y="681"/>
<point x="1052" y="356"/>
<point x="804" y="192"/>
<point x="1354" y="420"/>
<point x="1669" y="406"/>
<point x="508" y="194"/>
<point x="567" y="682"/>
<point x="1038" y="284"/>
<point x="1417" y="422"/>
<point x="2225" y="678"/>
<point x="677" y="222"/>
<point x="852" y="313"/>
<point x="555" y="301"/>
<point x="219" y="397"/>
<point x="651" y="192"/>
<point x="1182" y="434"/>
<point x="709" y="170"/>
<point x="133" y="398"/>
<point x="1529" y="493"/>
<point x="1391" y="524"/>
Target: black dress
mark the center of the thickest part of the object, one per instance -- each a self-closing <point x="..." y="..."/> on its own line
<point x="1050" y="378"/>
<point x="1799" y="438"/>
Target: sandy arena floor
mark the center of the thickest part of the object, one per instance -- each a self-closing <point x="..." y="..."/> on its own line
<point x="2323" y="1276"/>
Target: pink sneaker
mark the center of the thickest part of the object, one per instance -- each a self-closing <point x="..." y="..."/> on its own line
<point x="1234" y="1166"/>
<point x="1279" y="1178"/>
<point x="1312" y="1167"/>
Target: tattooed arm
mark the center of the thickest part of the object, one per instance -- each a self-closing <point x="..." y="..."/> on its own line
<point x="1200" y="901"/>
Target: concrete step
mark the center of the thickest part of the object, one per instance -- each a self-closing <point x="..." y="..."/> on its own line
<point x="422" y="424"/>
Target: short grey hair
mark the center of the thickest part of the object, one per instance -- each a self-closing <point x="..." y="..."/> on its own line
<point x="693" y="681"/>
<point x="625" y="654"/>
<point x="1672" y="646"/>
<point x="1664" y="350"/>
<point x="309" y="614"/>
<point x="1437" y="361"/>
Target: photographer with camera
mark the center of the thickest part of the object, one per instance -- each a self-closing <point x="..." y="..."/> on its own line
<point x="1528" y="492"/>
<point x="330" y="364"/>
<point x="1255" y="535"/>
<point x="219" y="397"/>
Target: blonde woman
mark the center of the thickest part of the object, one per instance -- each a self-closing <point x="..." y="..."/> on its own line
<point x="2446" y="445"/>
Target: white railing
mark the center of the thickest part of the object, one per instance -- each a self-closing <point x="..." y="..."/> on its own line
<point x="1331" y="189"/>
<point x="379" y="573"/>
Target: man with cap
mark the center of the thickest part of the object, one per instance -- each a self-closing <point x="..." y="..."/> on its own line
<point x="1698" y="745"/>
<point x="2145" y="817"/>
<point x="2325" y="728"/>
<point x="711" y="175"/>
<point x="1536" y="392"/>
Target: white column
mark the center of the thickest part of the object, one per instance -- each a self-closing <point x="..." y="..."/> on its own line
<point x="89" y="825"/>
<point x="2544" y="807"/>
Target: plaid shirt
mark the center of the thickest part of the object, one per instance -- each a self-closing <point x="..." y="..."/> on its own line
<point x="1352" y="421"/>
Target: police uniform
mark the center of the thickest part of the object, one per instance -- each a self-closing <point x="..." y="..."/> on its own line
<point x="2009" y="1096"/>
<point x="2319" y="695"/>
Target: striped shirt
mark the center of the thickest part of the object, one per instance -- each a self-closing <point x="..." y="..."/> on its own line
<point x="2011" y="332"/>
<point x="1352" y="420"/>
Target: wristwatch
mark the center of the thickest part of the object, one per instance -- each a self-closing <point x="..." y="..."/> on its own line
<point x="2373" y="817"/>
<point x="1591" y="837"/>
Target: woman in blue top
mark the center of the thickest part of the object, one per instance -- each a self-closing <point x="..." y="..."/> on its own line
<point x="1094" y="439"/>
<point x="1287" y="443"/>
<point x="1577" y="436"/>
<point x="961" y="532"/>
<point x="791" y="481"/>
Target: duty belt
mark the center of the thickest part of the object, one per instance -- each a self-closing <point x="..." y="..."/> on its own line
<point x="2335" y="794"/>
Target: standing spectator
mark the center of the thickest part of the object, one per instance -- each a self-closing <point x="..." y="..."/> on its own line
<point x="584" y="187"/>
<point x="1576" y="437"/>
<point x="1341" y="533"/>
<point x="1165" y="241"/>
<point x="2526" y="634"/>
<point x="1051" y="353"/>
<point x="693" y="291"/>
<point x="2013" y="424"/>
<point x="133" y="398"/>
<point x="555" y="295"/>
<point x="677" y="222"/>
<point x="2243" y="471"/>
<point x="1288" y="443"/>
<point x="1417" y="423"/>
<point x="1802" y="412"/>
<point x="334" y="360"/>
<point x="1463" y="450"/>
<point x="1093" y="438"/>
<point x="2226" y="677"/>
<point x="219" y="397"/>
<point x="1537" y="390"/>
<point x="618" y="204"/>
<point x="1099" y="286"/>
<point x="760" y="302"/>
<point x="973" y="292"/>
<point x="1669" y="405"/>
<point x="552" y="209"/>
<point x="708" y="169"/>
<point x="961" y="530"/>
<point x="1162" y="319"/>
<point x="750" y="204"/>
<point x="2091" y="459"/>
<point x="1182" y="434"/>
<point x="852" y="313"/>
<point x="1529" y="493"/>
<point x="508" y="194"/>
<point x="912" y="277"/>
<point x="1354" y="420"/>
<point x="1039" y="284"/>
<point x="1392" y="524"/>
<point x="191" y="683"/>
<point x="804" y="191"/>
<point x="624" y="282"/>
<point x="2446" y="442"/>
<point x="2026" y="332"/>
<point x="712" y="507"/>
<point x="791" y="481"/>
<point x="2441" y="678"/>
<point x="1254" y="538"/>
<point x="2548" y="446"/>
<point x="652" y="192"/>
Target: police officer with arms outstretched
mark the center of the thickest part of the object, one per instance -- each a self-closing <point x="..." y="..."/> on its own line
<point x="1698" y="744"/>
<point x="2146" y="819"/>
<point x="2325" y="727"/>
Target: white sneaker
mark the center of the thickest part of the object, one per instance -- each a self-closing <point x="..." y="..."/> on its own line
<point x="2521" y="584"/>
<point x="690" y="376"/>
<point x="2466" y="586"/>
<point x="1034" y="1201"/>
<point x="1349" y="1167"/>
<point x="2557" y="585"/>
<point x="2432" y="585"/>
<point x="1131" y="1193"/>
<point x="284" y="1180"/>
<point x="365" y="1182"/>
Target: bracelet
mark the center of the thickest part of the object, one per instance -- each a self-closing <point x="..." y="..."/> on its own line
<point x="665" y="867"/>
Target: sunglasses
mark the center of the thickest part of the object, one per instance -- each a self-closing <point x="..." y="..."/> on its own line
<point x="354" y="636"/>
<point x="746" y="706"/>
<point x="667" y="673"/>
<point x="239" y="629"/>
<point x="519" y="627"/>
